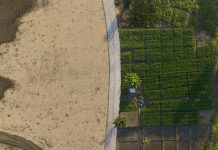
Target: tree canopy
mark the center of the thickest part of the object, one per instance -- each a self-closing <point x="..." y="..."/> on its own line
<point x="148" y="13"/>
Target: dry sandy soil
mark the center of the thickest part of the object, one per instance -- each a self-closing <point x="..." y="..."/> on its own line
<point x="59" y="64"/>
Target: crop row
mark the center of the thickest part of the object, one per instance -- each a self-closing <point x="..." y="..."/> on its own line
<point x="168" y="80"/>
<point x="148" y="57"/>
<point x="173" y="112"/>
<point x="178" y="105"/>
<point x="167" y="68"/>
<point x="169" y="118"/>
<point x="182" y="4"/>
<point x="177" y="91"/>
<point x="141" y="38"/>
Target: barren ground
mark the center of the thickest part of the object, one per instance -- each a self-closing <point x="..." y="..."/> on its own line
<point x="59" y="63"/>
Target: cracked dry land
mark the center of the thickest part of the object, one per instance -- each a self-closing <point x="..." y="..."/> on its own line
<point x="59" y="62"/>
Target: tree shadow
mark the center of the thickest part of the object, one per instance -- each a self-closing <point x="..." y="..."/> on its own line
<point x="205" y="16"/>
<point x="5" y="84"/>
<point x="111" y="31"/>
<point x="10" y="12"/>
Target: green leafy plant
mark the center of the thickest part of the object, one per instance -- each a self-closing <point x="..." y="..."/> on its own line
<point x="146" y="141"/>
<point x="132" y="80"/>
<point x="120" y="122"/>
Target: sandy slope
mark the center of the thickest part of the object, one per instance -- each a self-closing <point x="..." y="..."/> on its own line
<point x="59" y="62"/>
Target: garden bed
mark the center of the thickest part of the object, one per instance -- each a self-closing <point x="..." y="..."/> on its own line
<point x="168" y="63"/>
<point x="173" y="112"/>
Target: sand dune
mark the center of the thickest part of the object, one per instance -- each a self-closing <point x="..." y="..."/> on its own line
<point x="59" y="62"/>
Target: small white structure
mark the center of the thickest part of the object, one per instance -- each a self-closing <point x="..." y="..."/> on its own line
<point x="132" y="90"/>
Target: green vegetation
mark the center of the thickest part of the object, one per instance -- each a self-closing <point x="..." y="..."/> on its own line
<point x="141" y="17"/>
<point x="173" y="112"/>
<point x="120" y="122"/>
<point x="214" y="43"/>
<point x="148" y="13"/>
<point x="132" y="80"/>
<point x="200" y="14"/>
<point x="206" y="16"/>
<point x="177" y="75"/>
<point x="146" y="141"/>
<point x="167" y="62"/>
<point x="214" y="143"/>
<point x="127" y="105"/>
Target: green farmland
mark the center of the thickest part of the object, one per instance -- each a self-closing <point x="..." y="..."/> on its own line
<point x="168" y="63"/>
<point x="173" y="112"/>
<point x="169" y="48"/>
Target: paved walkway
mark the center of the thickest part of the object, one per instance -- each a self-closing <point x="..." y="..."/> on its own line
<point x="115" y="80"/>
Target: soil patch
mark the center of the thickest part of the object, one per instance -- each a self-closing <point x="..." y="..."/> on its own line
<point x="10" y="11"/>
<point x="132" y="118"/>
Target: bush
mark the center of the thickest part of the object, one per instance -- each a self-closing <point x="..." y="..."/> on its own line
<point x="120" y="122"/>
<point x="146" y="141"/>
<point x="132" y="80"/>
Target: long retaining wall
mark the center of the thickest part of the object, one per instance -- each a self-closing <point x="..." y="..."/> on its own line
<point x="115" y="78"/>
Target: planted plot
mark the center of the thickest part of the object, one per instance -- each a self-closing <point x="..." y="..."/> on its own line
<point x="173" y="112"/>
<point x="132" y="38"/>
<point x="126" y="106"/>
<point x="167" y="62"/>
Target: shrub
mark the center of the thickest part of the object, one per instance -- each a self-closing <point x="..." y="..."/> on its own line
<point x="132" y="80"/>
<point x="146" y="141"/>
<point x="120" y="122"/>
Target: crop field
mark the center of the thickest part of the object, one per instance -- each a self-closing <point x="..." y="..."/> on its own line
<point x="172" y="46"/>
<point x="173" y="112"/>
<point x="168" y="63"/>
